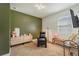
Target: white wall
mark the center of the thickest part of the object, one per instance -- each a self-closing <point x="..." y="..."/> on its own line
<point x="51" y="20"/>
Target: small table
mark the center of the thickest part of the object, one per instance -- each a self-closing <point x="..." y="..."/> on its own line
<point x="70" y="44"/>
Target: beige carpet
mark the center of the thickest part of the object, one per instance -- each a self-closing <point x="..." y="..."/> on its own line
<point x="30" y="49"/>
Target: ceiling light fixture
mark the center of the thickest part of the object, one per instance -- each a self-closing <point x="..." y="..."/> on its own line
<point x="39" y="6"/>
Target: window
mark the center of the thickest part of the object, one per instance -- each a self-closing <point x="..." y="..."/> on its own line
<point x="65" y="26"/>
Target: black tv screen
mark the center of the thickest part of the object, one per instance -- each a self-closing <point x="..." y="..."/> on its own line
<point x="75" y="20"/>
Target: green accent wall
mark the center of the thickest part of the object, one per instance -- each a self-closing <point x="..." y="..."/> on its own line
<point x="26" y="23"/>
<point x="4" y="28"/>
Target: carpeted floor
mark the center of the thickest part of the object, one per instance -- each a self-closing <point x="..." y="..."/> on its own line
<point x="30" y="49"/>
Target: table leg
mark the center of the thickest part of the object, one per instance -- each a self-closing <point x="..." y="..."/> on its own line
<point x="69" y="51"/>
<point x="78" y="51"/>
<point x="64" y="51"/>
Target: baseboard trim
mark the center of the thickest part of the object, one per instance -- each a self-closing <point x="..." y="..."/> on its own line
<point x="20" y="44"/>
<point x="8" y="54"/>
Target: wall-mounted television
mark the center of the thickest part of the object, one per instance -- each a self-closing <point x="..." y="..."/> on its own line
<point x="75" y="19"/>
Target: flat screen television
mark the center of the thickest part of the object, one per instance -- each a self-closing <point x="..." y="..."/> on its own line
<point x="75" y="20"/>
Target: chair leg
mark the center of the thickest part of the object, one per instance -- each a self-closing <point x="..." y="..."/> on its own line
<point x="38" y="44"/>
<point x="45" y="44"/>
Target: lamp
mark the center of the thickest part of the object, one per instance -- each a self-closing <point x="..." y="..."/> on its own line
<point x="39" y="6"/>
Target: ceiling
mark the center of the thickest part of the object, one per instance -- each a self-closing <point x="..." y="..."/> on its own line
<point x="50" y="8"/>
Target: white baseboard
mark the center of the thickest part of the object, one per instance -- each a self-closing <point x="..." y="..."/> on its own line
<point x="8" y="54"/>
